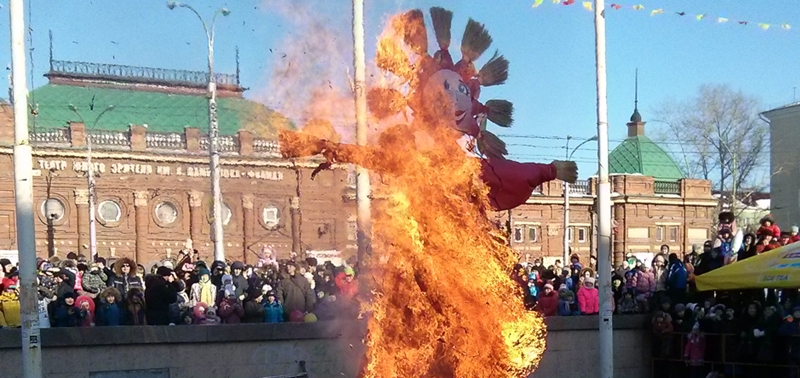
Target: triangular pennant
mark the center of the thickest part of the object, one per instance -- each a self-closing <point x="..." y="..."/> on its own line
<point x="638" y="7"/>
<point x="744" y="22"/>
<point x="556" y="1"/>
<point x="569" y="2"/>
<point x="537" y="3"/>
<point x="786" y="26"/>
<point x="656" y="11"/>
<point x="616" y="6"/>
<point x="699" y="17"/>
<point x="722" y="19"/>
<point x="680" y="13"/>
<point x="587" y="5"/>
<point x="764" y="26"/>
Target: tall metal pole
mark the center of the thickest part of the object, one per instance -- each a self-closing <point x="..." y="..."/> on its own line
<point x="92" y="222"/>
<point x="566" y="212"/>
<point x="23" y="198"/>
<point x="213" y="131"/>
<point x="364" y="217"/>
<point x="606" y="339"/>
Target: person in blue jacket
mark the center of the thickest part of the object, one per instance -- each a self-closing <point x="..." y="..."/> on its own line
<point x="677" y="279"/>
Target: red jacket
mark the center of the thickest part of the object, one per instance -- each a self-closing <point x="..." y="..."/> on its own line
<point x="775" y="230"/>
<point x="588" y="301"/>
<point x="348" y="289"/>
<point x="548" y="304"/>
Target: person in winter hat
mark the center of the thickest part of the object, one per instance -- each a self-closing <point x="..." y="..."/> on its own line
<point x="795" y="233"/>
<point x="86" y="306"/>
<point x="627" y="305"/>
<point x="694" y="352"/>
<point x="662" y="328"/>
<point x="203" y="291"/>
<point x="588" y="299"/>
<point x="567" y="306"/>
<point x="240" y="283"/>
<point x="210" y="317"/>
<point x="126" y="278"/>
<point x="768" y="224"/>
<point x="230" y="308"/>
<point x="9" y="304"/>
<point x="294" y="292"/>
<point x="273" y="310"/>
<point x="347" y="283"/>
<point x="45" y="298"/>
<point x="548" y="301"/>
<point x="67" y="314"/>
<point x="94" y="281"/>
<point x="109" y="312"/>
<point x="134" y="311"/>
<point x="160" y="293"/>
<point x="254" y="308"/>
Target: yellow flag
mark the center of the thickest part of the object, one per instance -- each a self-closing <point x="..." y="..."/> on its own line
<point x="722" y="19"/>
<point x="764" y="26"/>
<point x="537" y="3"/>
<point x="638" y="7"/>
<point x="786" y="26"/>
<point x="699" y="17"/>
<point x="656" y="11"/>
<point x="587" y="5"/>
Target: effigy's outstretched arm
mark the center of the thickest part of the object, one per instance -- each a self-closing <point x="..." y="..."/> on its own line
<point x="296" y="145"/>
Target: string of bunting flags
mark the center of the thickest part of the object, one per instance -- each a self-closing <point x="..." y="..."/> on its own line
<point x="588" y="5"/>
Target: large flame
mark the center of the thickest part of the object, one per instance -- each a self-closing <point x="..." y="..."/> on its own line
<point x="444" y="303"/>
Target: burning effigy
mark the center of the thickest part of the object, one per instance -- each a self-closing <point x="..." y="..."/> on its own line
<point x="444" y="304"/>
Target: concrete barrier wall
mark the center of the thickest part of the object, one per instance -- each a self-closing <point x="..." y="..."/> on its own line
<point x="264" y="350"/>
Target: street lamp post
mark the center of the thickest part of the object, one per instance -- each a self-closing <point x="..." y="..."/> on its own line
<point x="213" y="129"/>
<point x="90" y="180"/>
<point x="733" y="176"/>
<point x="566" y="196"/>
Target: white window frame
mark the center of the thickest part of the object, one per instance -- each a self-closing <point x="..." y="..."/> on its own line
<point x="535" y="237"/>
<point x="582" y="235"/>
<point x="677" y="232"/>
<point x="521" y="230"/>
<point x="659" y="234"/>
<point x="570" y="234"/>
<point x="274" y="220"/>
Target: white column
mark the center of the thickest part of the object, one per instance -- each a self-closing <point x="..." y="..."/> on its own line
<point x="364" y="217"/>
<point x="23" y="198"/>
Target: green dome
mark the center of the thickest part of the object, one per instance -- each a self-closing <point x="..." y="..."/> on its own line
<point x="639" y="154"/>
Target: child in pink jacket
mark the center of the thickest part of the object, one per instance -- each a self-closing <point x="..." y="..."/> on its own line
<point x="588" y="297"/>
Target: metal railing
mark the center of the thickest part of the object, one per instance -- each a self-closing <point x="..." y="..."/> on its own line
<point x="60" y="135"/>
<point x="165" y="141"/>
<point x="271" y="147"/>
<point x="109" y="138"/>
<point x="667" y="187"/>
<point x="98" y="70"/>
<point x="579" y="188"/>
<point x="724" y="353"/>
<point x="227" y="143"/>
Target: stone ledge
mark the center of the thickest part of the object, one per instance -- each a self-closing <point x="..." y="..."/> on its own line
<point x="100" y="336"/>
<point x="587" y="323"/>
<point x="106" y="336"/>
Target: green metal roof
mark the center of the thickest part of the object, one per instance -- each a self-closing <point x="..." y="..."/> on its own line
<point x="641" y="155"/>
<point x="162" y="112"/>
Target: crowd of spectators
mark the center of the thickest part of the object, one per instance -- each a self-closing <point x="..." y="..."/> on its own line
<point x="75" y="292"/>
<point x="741" y="332"/>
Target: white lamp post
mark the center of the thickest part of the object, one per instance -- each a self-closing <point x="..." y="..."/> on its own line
<point x="213" y="128"/>
<point x="566" y="197"/>
<point x="90" y="179"/>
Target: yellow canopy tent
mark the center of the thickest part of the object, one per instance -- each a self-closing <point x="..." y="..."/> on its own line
<point x="776" y="269"/>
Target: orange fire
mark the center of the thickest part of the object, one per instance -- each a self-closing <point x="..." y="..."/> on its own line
<point x="443" y="302"/>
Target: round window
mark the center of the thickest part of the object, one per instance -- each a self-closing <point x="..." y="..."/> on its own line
<point x="53" y="209"/>
<point x="109" y="211"/>
<point x="166" y="213"/>
<point x="271" y="216"/>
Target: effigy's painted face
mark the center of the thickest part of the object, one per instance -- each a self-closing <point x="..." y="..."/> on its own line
<point x="447" y="84"/>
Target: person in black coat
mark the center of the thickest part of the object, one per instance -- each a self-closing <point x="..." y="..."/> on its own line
<point x="159" y="294"/>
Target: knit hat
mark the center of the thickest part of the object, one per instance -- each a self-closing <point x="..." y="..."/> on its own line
<point x="163" y="271"/>
<point x="349" y="271"/>
<point x="589" y="280"/>
<point x="548" y="286"/>
<point x="795" y="229"/>
<point x="562" y="287"/>
<point x="680" y="307"/>
<point x="203" y="272"/>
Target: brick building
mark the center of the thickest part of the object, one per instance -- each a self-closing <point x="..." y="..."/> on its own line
<point x="652" y="204"/>
<point x="151" y="165"/>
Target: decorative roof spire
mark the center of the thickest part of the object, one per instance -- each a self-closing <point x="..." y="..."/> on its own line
<point x="636" y="117"/>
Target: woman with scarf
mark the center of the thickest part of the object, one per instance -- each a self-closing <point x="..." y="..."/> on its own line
<point x="203" y="291"/>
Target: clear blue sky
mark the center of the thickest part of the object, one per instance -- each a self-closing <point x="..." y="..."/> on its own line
<point x="551" y="50"/>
